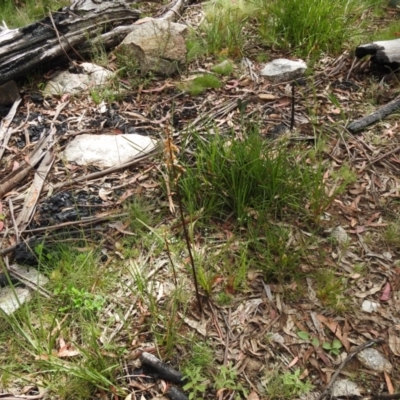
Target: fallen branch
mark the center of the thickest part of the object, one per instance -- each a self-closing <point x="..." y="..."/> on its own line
<point x="61" y="34"/>
<point x="26" y="214"/>
<point x="5" y="132"/>
<point x="376" y="116"/>
<point x="12" y="179"/>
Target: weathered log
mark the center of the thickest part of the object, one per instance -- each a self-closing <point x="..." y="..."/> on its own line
<point x="62" y="33"/>
<point x="384" y="52"/>
<point x="377" y="115"/>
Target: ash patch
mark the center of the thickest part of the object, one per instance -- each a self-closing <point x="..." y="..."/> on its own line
<point x="110" y="119"/>
<point x="38" y="123"/>
<point x="65" y="207"/>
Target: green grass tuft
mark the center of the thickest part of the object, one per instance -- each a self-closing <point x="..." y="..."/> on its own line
<point x="307" y="27"/>
<point x="202" y="83"/>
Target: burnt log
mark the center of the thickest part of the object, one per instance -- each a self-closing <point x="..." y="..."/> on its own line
<point x="163" y="370"/>
<point x="384" y="52"/>
<point x="63" y="34"/>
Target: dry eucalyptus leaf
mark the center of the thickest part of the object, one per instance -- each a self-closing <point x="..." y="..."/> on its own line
<point x="394" y="339"/>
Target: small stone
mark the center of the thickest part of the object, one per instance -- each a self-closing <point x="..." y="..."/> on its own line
<point x="370" y="306"/>
<point x="277" y="338"/>
<point x="89" y="76"/>
<point x="340" y="235"/>
<point x="344" y="387"/>
<point x="254" y="366"/>
<point x="373" y="359"/>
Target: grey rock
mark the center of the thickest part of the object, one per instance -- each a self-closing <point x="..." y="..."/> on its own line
<point x="106" y="151"/>
<point x="158" y="45"/>
<point x="11" y="298"/>
<point x="281" y="70"/>
<point x="373" y="359"/>
<point x="91" y="76"/>
<point x="344" y="387"/>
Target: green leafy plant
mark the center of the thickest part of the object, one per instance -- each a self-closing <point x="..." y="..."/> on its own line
<point x="229" y="176"/>
<point x="80" y="299"/>
<point x="196" y="383"/>
<point x="331" y="290"/>
<point x="286" y="385"/>
<point x="129" y="73"/>
<point x="332" y="347"/>
<point x="227" y="378"/>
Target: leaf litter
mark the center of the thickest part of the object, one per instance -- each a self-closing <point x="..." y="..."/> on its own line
<point x="260" y="328"/>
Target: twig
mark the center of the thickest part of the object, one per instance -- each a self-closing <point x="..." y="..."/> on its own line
<point x="15" y="225"/>
<point x="292" y="115"/>
<point x="170" y="260"/>
<point x="83" y="221"/>
<point x="5" y="131"/>
<point x="107" y="171"/>
<point x="26" y="281"/>
<point x="12" y="179"/>
<point x="351" y="68"/>
<point x="328" y="388"/>
<point x="394" y="396"/>
<point x="381" y="157"/>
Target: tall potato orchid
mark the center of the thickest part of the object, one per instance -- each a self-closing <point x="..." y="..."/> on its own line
<point x="175" y="171"/>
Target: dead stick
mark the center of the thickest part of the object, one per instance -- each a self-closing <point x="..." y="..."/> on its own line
<point x="100" y="174"/>
<point x="90" y="220"/>
<point x="381" y="157"/>
<point x="378" y="115"/>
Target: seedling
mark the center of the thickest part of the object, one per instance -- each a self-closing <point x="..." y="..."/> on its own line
<point x="332" y="347"/>
<point x="80" y="300"/>
<point x="228" y="379"/>
<point x="197" y="383"/>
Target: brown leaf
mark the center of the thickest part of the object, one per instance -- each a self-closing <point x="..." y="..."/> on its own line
<point x="335" y="328"/>
<point x="346" y="330"/>
<point x="253" y="396"/>
<point x="66" y="350"/>
<point x="1" y="216"/>
<point x="394" y="339"/>
<point x="267" y="96"/>
<point x="283" y="101"/>
<point x="230" y="286"/>
<point x="386" y="293"/>
<point x="389" y="383"/>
